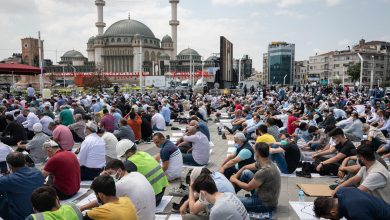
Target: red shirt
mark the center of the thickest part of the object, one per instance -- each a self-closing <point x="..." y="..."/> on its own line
<point x="65" y="169"/>
<point x="238" y="106"/>
<point x="291" y="127"/>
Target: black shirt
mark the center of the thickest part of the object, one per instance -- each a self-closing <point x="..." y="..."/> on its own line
<point x="3" y="123"/>
<point x="292" y="155"/>
<point x="348" y="149"/>
<point x="16" y="131"/>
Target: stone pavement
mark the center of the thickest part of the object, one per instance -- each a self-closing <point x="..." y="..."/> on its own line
<point x="289" y="190"/>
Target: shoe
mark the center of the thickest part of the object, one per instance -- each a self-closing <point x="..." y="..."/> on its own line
<point x="179" y="191"/>
<point x="303" y="174"/>
<point x="175" y="128"/>
<point x="333" y="186"/>
<point x="224" y="136"/>
<point x="216" y="120"/>
<point x="175" y="208"/>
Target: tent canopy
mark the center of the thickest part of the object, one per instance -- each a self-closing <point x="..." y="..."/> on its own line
<point x="18" y="69"/>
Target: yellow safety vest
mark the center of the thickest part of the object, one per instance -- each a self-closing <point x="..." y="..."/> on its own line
<point x="65" y="212"/>
<point x="152" y="170"/>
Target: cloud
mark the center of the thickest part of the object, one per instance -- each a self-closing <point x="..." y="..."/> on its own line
<point x="287" y="3"/>
<point x="332" y="2"/>
<point x="239" y="2"/>
<point x="289" y="13"/>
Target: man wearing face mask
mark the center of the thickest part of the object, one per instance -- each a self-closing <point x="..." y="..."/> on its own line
<point x="46" y="205"/>
<point x="144" y="163"/>
<point x="241" y="157"/>
<point x="130" y="185"/>
<point x="170" y="156"/>
<point x="112" y="207"/>
<point x="265" y="183"/>
<point x="373" y="177"/>
<point x="225" y="205"/>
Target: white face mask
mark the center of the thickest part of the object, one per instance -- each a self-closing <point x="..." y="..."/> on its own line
<point x="202" y="199"/>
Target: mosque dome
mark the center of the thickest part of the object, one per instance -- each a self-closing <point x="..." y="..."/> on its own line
<point x="73" y="54"/>
<point x="212" y="58"/>
<point x="188" y="52"/>
<point x="128" y="27"/>
<point x="166" y="39"/>
<point x="91" y="39"/>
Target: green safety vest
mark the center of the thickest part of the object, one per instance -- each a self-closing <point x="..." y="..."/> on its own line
<point x="148" y="166"/>
<point x="66" y="212"/>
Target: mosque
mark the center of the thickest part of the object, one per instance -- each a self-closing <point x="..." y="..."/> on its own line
<point x="118" y="49"/>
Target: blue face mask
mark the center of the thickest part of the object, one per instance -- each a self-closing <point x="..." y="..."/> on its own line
<point x="237" y="145"/>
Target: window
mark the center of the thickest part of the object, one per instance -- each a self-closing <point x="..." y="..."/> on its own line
<point x="126" y="40"/>
<point x="112" y="40"/>
<point x="118" y="40"/>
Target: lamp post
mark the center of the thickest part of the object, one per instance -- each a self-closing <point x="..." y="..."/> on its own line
<point x="239" y="72"/>
<point x="284" y="80"/>
<point x="74" y="72"/>
<point x="361" y="69"/>
<point x="372" y="73"/>
<point x="140" y="67"/>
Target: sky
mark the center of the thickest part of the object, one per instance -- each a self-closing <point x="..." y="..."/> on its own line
<point x="314" y="26"/>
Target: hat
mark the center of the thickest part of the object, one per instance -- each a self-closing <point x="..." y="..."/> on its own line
<point x="122" y="146"/>
<point x="37" y="127"/>
<point x="91" y="125"/>
<point x="240" y="136"/>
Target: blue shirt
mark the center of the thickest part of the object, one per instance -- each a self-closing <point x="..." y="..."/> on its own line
<point x="166" y="113"/>
<point x="358" y="205"/>
<point x="204" y="129"/>
<point x="18" y="188"/>
<point x="222" y="183"/>
<point x="167" y="149"/>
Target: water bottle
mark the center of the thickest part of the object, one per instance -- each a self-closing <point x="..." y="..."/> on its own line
<point x="301" y="196"/>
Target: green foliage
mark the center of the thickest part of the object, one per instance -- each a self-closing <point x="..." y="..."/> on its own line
<point x="337" y="81"/>
<point x="354" y="72"/>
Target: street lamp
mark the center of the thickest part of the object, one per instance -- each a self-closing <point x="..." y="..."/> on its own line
<point x="372" y="73"/>
<point x="284" y="80"/>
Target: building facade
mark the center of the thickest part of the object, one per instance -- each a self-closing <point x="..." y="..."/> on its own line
<point x="334" y="65"/>
<point x="265" y="72"/>
<point x="30" y="51"/>
<point x="301" y="71"/>
<point x="281" y="58"/>
<point x="246" y="67"/>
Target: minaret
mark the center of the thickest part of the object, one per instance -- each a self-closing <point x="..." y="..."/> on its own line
<point x="174" y="23"/>
<point x="100" y="24"/>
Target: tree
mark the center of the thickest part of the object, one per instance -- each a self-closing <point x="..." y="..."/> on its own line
<point x="97" y="83"/>
<point x="337" y="82"/>
<point x="354" y="72"/>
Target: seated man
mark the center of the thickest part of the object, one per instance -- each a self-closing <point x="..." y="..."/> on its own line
<point x="243" y="156"/>
<point x="78" y="128"/>
<point x="236" y="122"/>
<point x="145" y="164"/>
<point x="354" y="131"/>
<point x="286" y="154"/>
<point x="158" y="121"/>
<point x="113" y="207"/>
<point x="344" y="148"/>
<point x="197" y="155"/>
<point x="16" y="188"/>
<point x="373" y="177"/>
<point x="34" y="146"/>
<point x="352" y="203"/>
<point x="192" y="207"/>
<point x="266" y="180"/>
<point x="375" y="136"/>
<point x="110" y="144"/>
<point x="124" y="131"/>
<point x="62" y="135"/>
<point x="302" y="132"/>
<point x="15" y="130"/>
<point x="64" y="168"/>
<point x="320" y="139"/>
<point x="4" y="151"/>
<point x="129" y="184"/>
<point x="47" y="206"/>
<point x="225" y="205"/>
<point x="195" y="121"/>
<point x="263" y="136"/>
<point x="250" y="129"/>
<point x="170" y="156"/>
<point x="92" y="155"/>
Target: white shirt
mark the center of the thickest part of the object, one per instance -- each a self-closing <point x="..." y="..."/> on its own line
<point x="45" y="121"/>
<point x="92" y="152"/>
<point x="135" y="186"/>
<point x="111" y="141"/>
<point x="175" y="166"/>
<point x="4" y="151"/>
<point x="200" y="147"/>
<point x="158" y="121"/>
<point x="30" y="121"/>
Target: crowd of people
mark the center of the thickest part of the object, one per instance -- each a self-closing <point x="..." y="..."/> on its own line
<point x="49" y="146"/>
